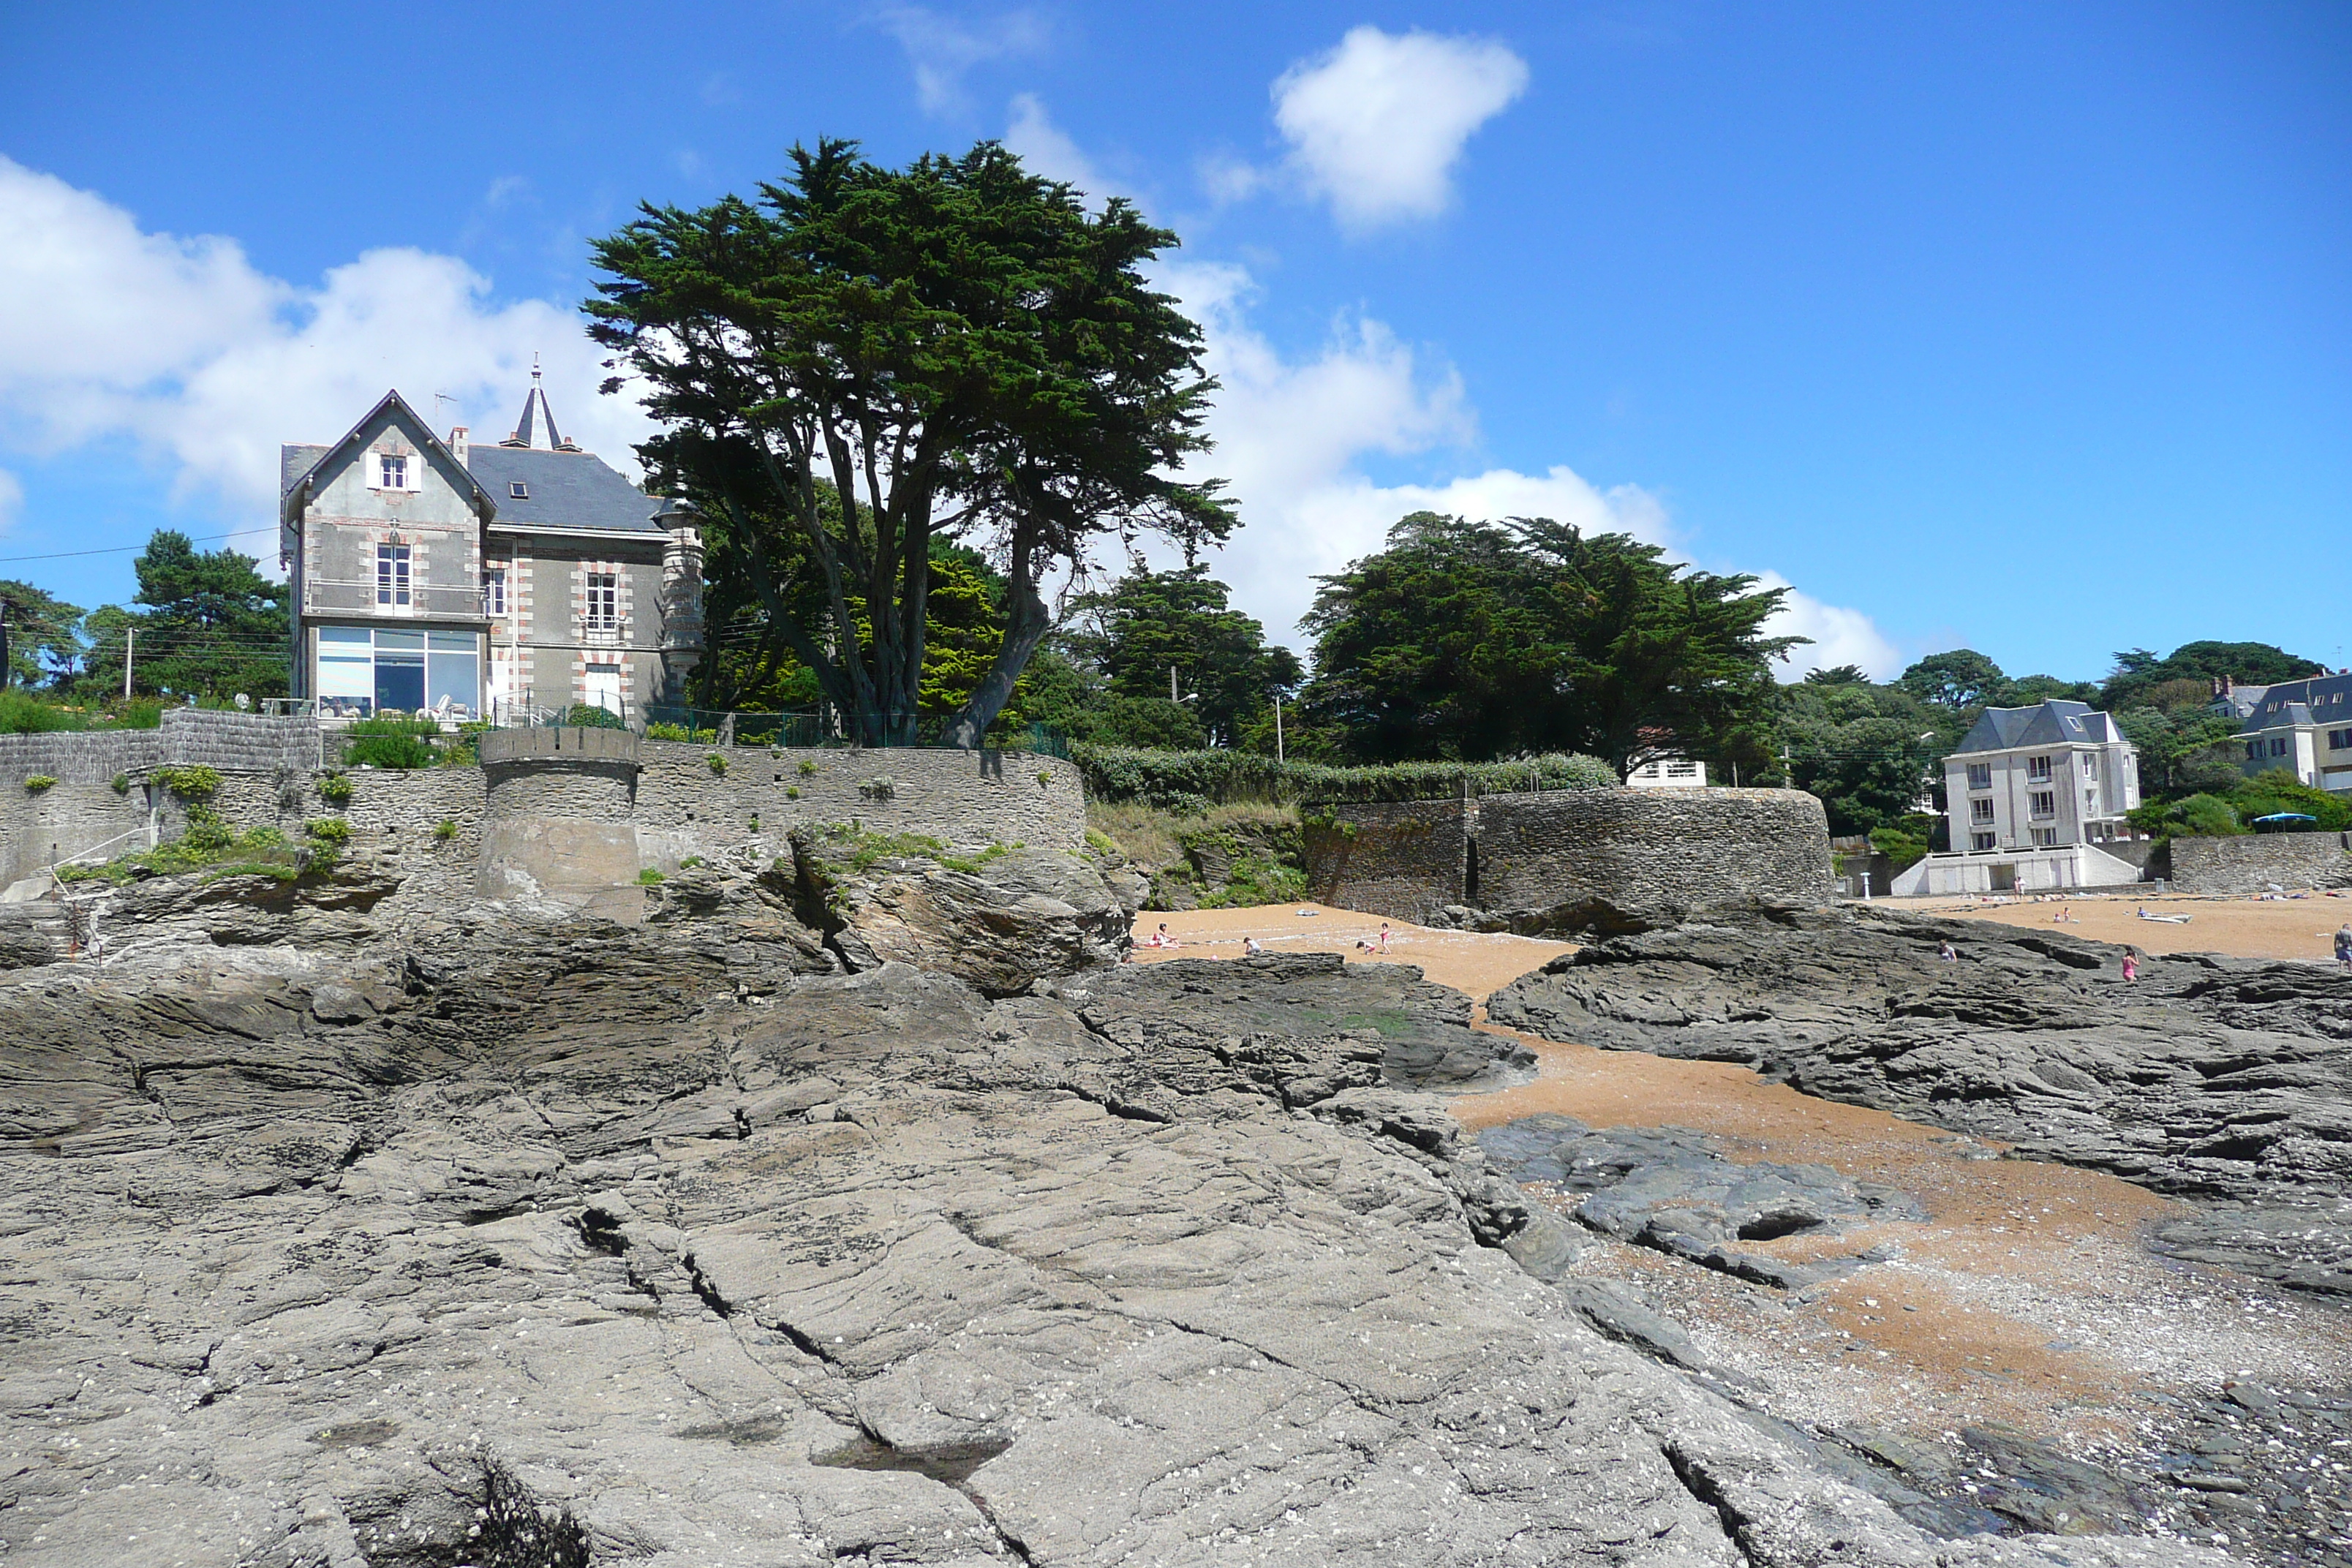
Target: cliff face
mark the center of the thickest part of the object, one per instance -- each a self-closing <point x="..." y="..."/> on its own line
<point x="487" y="1241"/>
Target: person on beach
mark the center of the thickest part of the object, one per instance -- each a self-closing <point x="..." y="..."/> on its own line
<point x="2131" y="963"/>
<point x="1384" y="936"/>
<point x="2343" y="945"/>
<point x="1947" y="951"/>
<point x="1250" y="948"/>
<point x="1162" y="939"/>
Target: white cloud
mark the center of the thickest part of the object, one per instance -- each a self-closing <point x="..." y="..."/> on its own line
<point x="1291" y="436"/>
<point x="12" y="500"/>
<point x="1377" y="124"/>
<point x="207" y="364"/>
<point x="1045" y="148"/>
<point x="940" y="50"/>
<point x="1839" y="635"/>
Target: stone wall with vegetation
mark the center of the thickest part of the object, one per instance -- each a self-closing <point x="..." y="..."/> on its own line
<point x="2258" y="862"/>
<point x="1571" y="859"/>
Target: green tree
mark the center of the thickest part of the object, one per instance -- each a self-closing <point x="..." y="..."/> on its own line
<point x="958" y="348"/>
<point x="1958" y="681"/>
<point x="1869" y="752"/>
<point x="2250" y="663"/>
<point x="213" y="627"/>
<point x="45" y="644"/>
<point x="1150" y="623"/>
<point x="1478" y="640"/>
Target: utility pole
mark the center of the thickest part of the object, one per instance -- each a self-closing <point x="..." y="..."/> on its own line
<point x="1171" y="668"/>
<point x="130" y="645"/>
<point x="1277" y="727"/>
<point x="6" y="672"/>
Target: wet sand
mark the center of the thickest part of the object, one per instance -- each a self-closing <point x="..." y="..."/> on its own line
<point x="2287" y="927"/>
<point x="2025" y="1297"/>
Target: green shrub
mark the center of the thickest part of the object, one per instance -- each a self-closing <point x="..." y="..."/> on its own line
<point x="650" y="877"/>
<point x="1044" y="775"/>
<point x="807" y="768"/>
<point x="755" y="822"/>
<point x="381" y="742"/>
<point x="193" y="783"/>
<point x="588" y="716"/>
<point x="792" y="792"/>
<point x="335" y="789"/>
<point x="881" y="786"/>
<point x="1901" y="848"/>
<point x="334" y="830"/>
<point x="123" y="784"/>
<point x="445" y="830"/>
<point x="1194" y="781"/>
<point x="690" y="863"/>
<point x="139" y="713"/>
<point x="22" y="713"/>
<point x="718" y="765"/>
<point x="689" y="733"/>
<point x="35" y="783"/>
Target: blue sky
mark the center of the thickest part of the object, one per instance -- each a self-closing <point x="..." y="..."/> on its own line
<point x="2023" y="327"/>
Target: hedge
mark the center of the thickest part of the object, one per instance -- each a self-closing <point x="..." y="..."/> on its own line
<point x="1194" y="781"/>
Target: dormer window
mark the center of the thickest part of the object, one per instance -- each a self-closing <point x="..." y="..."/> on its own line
<point x="519" y="491"/>
<point x="392" y="472"/>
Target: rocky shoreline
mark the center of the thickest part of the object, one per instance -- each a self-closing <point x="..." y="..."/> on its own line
<point x="473" y="1237"/>
<point x="2225" y="1080"/>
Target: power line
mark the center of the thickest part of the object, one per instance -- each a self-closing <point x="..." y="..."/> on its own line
<point x="127" y="549"/>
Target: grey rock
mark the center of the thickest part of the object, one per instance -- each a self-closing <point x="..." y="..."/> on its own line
<point x="2210" y="1078"/>
<point x="1000" y="922"/>
<point x="592" y="1245"/>
<point x="1674" y="1189"/>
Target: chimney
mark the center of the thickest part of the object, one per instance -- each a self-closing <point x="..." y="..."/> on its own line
<point x="458" y="444"/>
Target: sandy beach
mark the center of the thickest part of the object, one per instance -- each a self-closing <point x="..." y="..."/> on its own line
<point x="2025" y="1297"/>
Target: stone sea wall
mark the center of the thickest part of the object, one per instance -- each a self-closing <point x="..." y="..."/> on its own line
<point x="2253" y="863"/>
<point x="659" y="803"/>
<point x="1573" y="859"/>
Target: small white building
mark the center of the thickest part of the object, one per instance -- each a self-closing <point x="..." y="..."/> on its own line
<point x="1668" y="773"/>
<point x="2305" y="727"/>
<point x="2030" y="795"/>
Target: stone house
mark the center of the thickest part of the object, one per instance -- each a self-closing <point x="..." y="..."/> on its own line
<point x="465" y="580"/>
<point x="2304" y="726"/>
<point x="2030" y="794"/>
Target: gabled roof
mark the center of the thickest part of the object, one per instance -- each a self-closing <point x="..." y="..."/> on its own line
<point x="561" y="490"/>
<point x="2057" y="722"/>
<point x="289" y="503"/>
<point x="293" y="462"/>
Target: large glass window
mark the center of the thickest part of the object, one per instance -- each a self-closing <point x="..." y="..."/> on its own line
<point x="363" y="672"/>
<point x="604" y="601"/>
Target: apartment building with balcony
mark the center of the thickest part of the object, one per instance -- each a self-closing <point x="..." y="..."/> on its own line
<point x="2031" y="794"/>
<point x="440" y="576"/>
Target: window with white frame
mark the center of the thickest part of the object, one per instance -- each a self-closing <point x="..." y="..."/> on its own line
<point x="392" y="472"/>
<point x="2045" y="839"/>
<point x="392" y="563"/>
<point x="1980" y="841"/>
<point x="2042" y="803"/>
<point x="2090" y="764"/>
<point x="602" y="612"/>
<point x="494" y="590"/>
<point x="1980" y="811"/>
<point x="2090" y="803"/>
<point x="1981" y="775"/>
<point x="2037" y="769"/>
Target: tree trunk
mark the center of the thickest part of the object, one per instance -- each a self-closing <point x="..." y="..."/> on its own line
<point x="1026" y="623"/>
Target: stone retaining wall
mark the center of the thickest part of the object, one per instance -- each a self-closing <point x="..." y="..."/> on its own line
<point x="1573" y="859"/>
<point x="2251" y="864"/>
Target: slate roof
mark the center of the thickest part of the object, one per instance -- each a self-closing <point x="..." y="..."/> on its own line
<point x="564" y="490"/>
<point x="2057" y="722"/>
<point x="293" y="462"/>
<point x="2316" y="700"/>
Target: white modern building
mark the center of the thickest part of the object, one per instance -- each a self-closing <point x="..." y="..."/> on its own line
<point x="2305" y="727"/>
<point x="2030" y="796"/>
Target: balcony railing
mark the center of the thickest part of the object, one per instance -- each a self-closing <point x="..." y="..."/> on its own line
<point x="433" y="600"/>
<point x="602" y="631"/>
